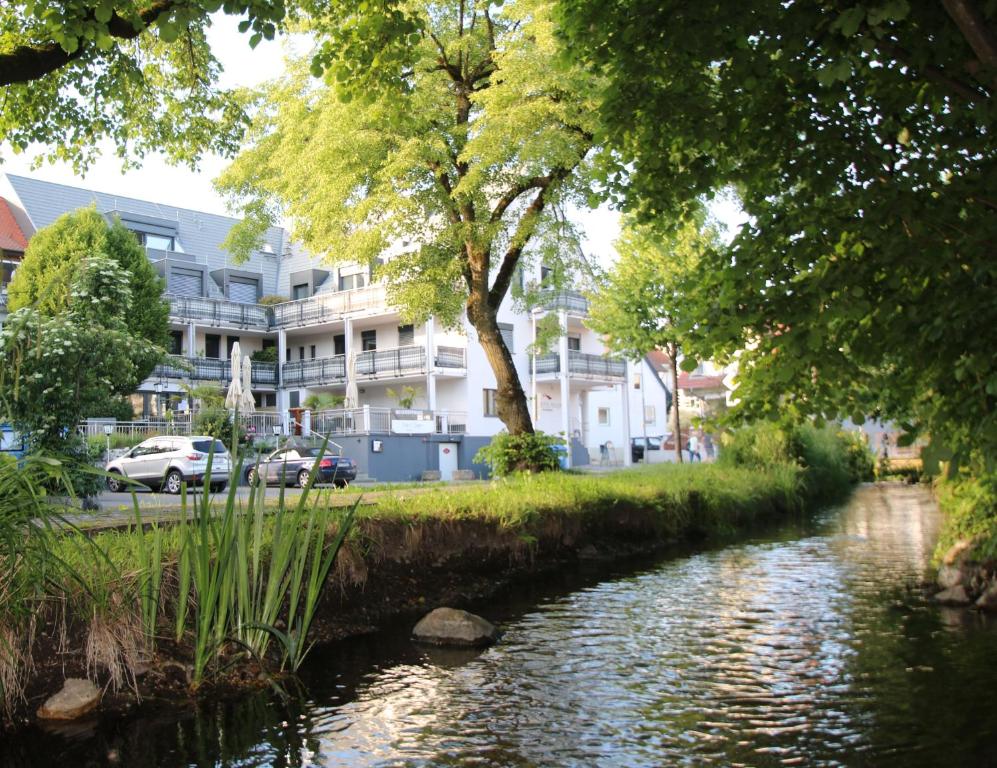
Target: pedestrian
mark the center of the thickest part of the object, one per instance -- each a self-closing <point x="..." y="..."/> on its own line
<point x="694" y="454"/>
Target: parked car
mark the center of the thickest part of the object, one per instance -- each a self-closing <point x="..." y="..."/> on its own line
<point x="637" y="447"/>
<point x="294" y="465"/>
<point x="168" y="462"/>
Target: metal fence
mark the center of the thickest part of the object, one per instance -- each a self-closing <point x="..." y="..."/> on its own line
<point x="451" y="357"/>
<point x="385" y="421"/>
<point x="219" y="311"/>
<point x="572" y="301"/>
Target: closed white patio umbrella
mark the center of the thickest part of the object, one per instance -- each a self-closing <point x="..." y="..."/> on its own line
<point x="352" y="395"/>
<point x="233" y="399"/>
<point x="248" y="404"/>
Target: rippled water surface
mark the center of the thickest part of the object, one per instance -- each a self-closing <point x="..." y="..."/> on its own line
<point x="812" y="646"/>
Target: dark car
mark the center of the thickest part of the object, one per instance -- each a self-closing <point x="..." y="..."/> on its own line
<point x="637" y="447"/>
<point x="294" y="465"/>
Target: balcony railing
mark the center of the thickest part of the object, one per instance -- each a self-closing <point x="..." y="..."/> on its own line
<point x="319" y="370"/>
<point x="383" y="421"/>
<point x="391" y="362"/>
<point x="572" y="301"/>
<point x="583" y="364"/>
<point x="3" y="301"/>
<point x="219" y="311"/>
<point x="451" y="357"/>
<point x="329" y="306"/>
<point x="211" y="369"/>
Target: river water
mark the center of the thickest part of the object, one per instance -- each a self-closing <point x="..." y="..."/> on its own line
<point x="809" y="645"/>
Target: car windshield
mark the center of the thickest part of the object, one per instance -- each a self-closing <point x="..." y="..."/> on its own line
<point x="309" y="453"/>
<point x="204" y="446"/>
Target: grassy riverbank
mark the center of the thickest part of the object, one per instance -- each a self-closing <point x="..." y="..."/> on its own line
<point x="234" y="593"/>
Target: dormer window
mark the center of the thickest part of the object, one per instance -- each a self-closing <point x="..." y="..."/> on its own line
<point x="156" y="242"/>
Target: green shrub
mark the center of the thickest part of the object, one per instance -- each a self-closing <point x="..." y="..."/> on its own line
<point x="970" y="506"/>
<point x="861" y="460"/>
<point x="507" y="454"/>
<point x="265" y="355"/>
<point x="217" y="422"/>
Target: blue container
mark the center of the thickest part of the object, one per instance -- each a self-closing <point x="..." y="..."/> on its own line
<point x="562" y="455"/>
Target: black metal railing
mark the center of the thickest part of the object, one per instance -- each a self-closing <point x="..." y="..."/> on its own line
<point x="3" y="301"/>
<point x="212" y="369"/>
<point x="219" y="311"/>
<point x="319" y="370"/>
<point x="451" y="357"/>
<point x="332" y="305"/>
<point x="572" y="301"/>
<point x="391" y="362"/>
<point x="584" y="364"/>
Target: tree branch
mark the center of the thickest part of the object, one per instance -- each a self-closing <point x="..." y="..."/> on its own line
<point x="31" y="62"/>
<point x="523" y="186"/>
<point x="934" y="74"/>
<point x="977" y="32"/>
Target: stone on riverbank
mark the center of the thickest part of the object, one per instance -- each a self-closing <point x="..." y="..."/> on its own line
<point x="949" y="576"/>
<point x="77" y="697"/>
<point x="449" y="626"/>
<point x="953" y="596"/>
<point x="988" y="600"/>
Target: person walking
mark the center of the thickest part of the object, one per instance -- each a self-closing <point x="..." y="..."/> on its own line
<point x="694" y="454"/>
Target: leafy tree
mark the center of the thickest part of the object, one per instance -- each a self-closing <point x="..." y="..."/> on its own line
<point x="458" y="140"/>
<point x="59" y="254"/>
<point x="860" y="136"/>
<point x="57" y="368"/>
<point x="640" y="303"/>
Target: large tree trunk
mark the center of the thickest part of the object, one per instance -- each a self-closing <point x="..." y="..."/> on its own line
<point x="673" y="359"/>
<point x="511" y="403"/>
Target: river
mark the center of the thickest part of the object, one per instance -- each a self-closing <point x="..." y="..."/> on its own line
<point x="810" y="645"/>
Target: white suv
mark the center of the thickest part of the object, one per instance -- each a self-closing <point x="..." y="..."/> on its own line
<point x="166" y="462"/>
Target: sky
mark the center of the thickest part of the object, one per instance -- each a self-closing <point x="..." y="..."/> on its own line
<point x="179" y="186"/>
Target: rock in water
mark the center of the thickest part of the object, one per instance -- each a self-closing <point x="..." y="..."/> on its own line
<point x="76" y="698"/>
<point x="953" y="596"/>
<point x="449" y="626"/>
<point x="949" y="576"/>
<point x="988" y="600"/>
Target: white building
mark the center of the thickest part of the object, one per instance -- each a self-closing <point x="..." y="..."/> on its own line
<point x="325" y="316"/>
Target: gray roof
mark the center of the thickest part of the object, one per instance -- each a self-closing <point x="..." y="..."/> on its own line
<point x="199" y="234"/>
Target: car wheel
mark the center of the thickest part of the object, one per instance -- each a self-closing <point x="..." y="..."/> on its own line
<point x="174" y="481"/>
<point x="342" y="483"/>
<point x="218" y="487"/>
<point x="303" y="476"/>
<point x="251" y="476"/>
<point x="115" y="483"/>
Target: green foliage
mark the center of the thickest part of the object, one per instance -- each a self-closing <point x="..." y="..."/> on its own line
<point x="57" y="369"/>
<point x="269" y="300"/>
<point x="405" y="397"/>
<point x="265" y="355"/>
<point x="58" y="255"/>
<point x="324" y="401"/>
<point x="510" y="454"/>
<point x="969" y="502"/>
<point x="829" y="459"/>
<point x="860" y="140"/>
<point x="217" y="422"/>
<point x="861" y="460"/>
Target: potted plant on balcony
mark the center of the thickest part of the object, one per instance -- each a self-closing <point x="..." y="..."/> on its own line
<point x="406" y="397"/>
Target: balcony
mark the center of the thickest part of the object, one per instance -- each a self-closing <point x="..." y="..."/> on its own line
<point x="451" y="357"/>
<point x="3" y="301"/>
<point x="369" y="419"/>
<point x="327" y="307"/>
<point x="583" y="365"/>
<point x="210" y="369"/>
<point x="573" y="302"/>
<point x="388" y="363"/>
<point x="219" y="312"/>
<point x="317" y="371"/>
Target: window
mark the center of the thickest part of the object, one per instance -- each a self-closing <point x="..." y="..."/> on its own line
<point x="287" y="354"/>
<point x="575" y="343"/>
<point x="349" y="282"/>
<point x="295" y="399"/>
<point x="230" y="341"/>
<point x="312" y="350"/>
<point x="212" y="345"/>
<point x="490" y="407"/>
<point x="301" y="353"/>
<point x="267" y="343"/>
<point x="368" y="340"/>
<point x="186" y="282"/>
<point x="649" y="414"/>
<point x="602" y="416"/>
<point x="243" y="290"/>
<point x="176" y="342"/>
<point x="636" y="381"/>
<point x="507" y="335"/>
<point x="406" y="335"/>
<point x="7" y="272"/>
<point x="545" y="274"/>
<point x="158" y="242"/>
<point x="300" y="291"/>
<point x="339" y="344"/>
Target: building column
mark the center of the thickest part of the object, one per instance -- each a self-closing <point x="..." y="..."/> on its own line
<point x="625" y="390"/>
<point x="283" y="404"/>
<point x="565" y="383"/>
<point x="348" y="350"/>
<point x="430" y="365"/>
<point x="191" y="340"/>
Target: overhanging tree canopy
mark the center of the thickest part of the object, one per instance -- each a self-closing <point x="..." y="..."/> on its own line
<point x="860" y="136"/>
<point x="457" y="144"/>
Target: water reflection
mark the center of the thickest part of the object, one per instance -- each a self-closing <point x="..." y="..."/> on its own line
<point x="812" y="648"/>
